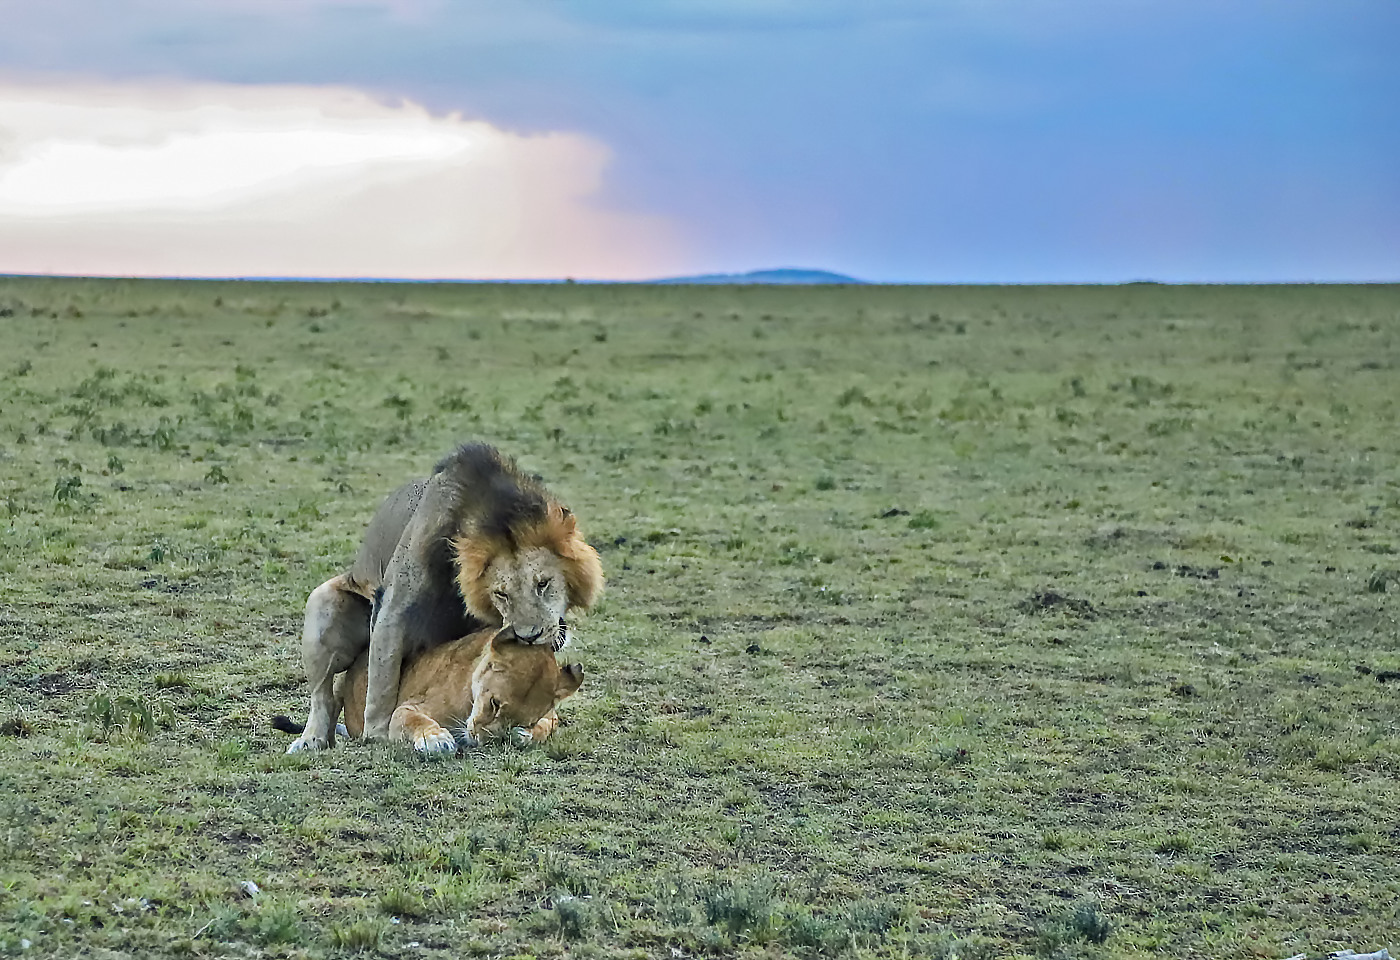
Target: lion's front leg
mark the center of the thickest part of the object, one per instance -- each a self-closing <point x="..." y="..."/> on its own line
<point x="382" y="682"/>
<point x="419" y="607"/>
<point x="410" y="724"/>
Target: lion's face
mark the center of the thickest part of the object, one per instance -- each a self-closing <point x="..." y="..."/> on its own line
<point x="529" y="584"/>
<point x="529" y="592"/>
<point x="515" y="685"/>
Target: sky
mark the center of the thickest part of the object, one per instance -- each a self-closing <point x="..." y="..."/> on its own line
<point x="964" y="141"/>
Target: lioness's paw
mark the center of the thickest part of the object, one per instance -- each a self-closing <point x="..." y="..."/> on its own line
<point x="435" y="743"/>
<point x="305" y="743"/>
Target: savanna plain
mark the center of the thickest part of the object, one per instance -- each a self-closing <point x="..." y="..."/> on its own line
<point x="947" y="622"/>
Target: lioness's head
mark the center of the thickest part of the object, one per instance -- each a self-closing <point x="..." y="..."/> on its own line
<point x="515" y="684"/>
<point x="528" y="577"/>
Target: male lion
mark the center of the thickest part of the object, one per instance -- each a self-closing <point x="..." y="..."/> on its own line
<point x="477" y="544"/>
<point x="483" y="685"/>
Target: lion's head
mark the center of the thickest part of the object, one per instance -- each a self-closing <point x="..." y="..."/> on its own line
<point x="529" y="575"/>
<point x="515" y="685"/>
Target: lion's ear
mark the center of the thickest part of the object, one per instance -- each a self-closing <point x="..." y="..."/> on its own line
<point x="570" y="679"/>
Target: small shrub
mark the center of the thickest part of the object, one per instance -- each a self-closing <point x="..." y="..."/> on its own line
<point x="456" y="859"/>
<point x="1083" y="922"/>
<point x="1176" y="843"/>
<point x="739" y="908"/>
<point x="573" y="917"/>
<point x="566" y="874"/>
<point x="815" y="933"/>
<point x="134" y="716"/>
<point x="278" y="924"/>
<point x="231" y="751"/>
<point x="792" y="552"/>
<point x="226" y="922"/>
<point x="1089" y="924"/>
<point x="454" y="401"/>
<point x="65" y="489"/>
<point x="867" y="921"/>
<point x="359" y="936"/>
<point x="534" y="808"/>
<point x="1380" y="580"/>
<point x="401" y="903"/>
<point x="163" y="436"/>
<point x="924" y="520"/>
<point x="16" y="726"/>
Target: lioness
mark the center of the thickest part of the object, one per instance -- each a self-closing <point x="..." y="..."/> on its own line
<point x="483" y="685"/>
<point x="477" y="544"/>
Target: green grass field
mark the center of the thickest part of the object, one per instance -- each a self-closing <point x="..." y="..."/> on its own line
<point x="969" y="622"/>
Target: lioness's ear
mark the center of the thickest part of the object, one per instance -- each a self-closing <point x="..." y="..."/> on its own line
<point x="570" y="679"/>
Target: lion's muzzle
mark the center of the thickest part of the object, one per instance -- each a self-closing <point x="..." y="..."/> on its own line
<point x="531" y="633"/>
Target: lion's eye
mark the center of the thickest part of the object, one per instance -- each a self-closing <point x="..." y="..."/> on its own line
<point x="542" y="585"/>
<point x="499" y="596"/>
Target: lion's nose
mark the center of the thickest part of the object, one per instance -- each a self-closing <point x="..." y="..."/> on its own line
<point x="527" y="634"/>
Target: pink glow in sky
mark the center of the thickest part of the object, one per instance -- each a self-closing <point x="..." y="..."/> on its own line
<point x="223" y="180"/>
<point x="896" y="140"/>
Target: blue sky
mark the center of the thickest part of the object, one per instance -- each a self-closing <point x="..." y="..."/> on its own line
<point x="932" y="141"/>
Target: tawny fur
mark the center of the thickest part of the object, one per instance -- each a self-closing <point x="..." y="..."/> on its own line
<point x="483" y="684"/>
<point x="556" y="532"/>
<point x="477" y="544"/>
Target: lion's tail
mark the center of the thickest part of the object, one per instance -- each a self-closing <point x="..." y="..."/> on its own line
<point x="287" y="725"/>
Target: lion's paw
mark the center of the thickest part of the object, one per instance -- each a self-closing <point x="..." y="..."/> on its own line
<point x="307" y="744"/>
<point x="436" y="743"/>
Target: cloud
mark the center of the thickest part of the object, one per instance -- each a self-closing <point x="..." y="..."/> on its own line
<point x="225" y="180"/>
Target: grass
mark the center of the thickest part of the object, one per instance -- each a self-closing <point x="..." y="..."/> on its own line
<point x="940" y="622"/>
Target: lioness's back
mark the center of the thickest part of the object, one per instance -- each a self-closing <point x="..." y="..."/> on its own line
<point x="445" y="670"/>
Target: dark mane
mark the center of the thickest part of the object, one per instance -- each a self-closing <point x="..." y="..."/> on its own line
<point x="491" y="497"/>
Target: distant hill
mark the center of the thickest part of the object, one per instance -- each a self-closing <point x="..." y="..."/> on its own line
<point x="784" y="275"/>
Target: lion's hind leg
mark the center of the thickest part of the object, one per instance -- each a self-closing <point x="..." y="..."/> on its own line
<point x="410" y="724"/>
<point x="336" y="630"/>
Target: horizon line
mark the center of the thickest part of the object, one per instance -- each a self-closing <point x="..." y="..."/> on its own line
<point x="695" y="280"/>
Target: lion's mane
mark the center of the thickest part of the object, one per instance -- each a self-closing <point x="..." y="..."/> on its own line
<point x="503" y="511"/>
